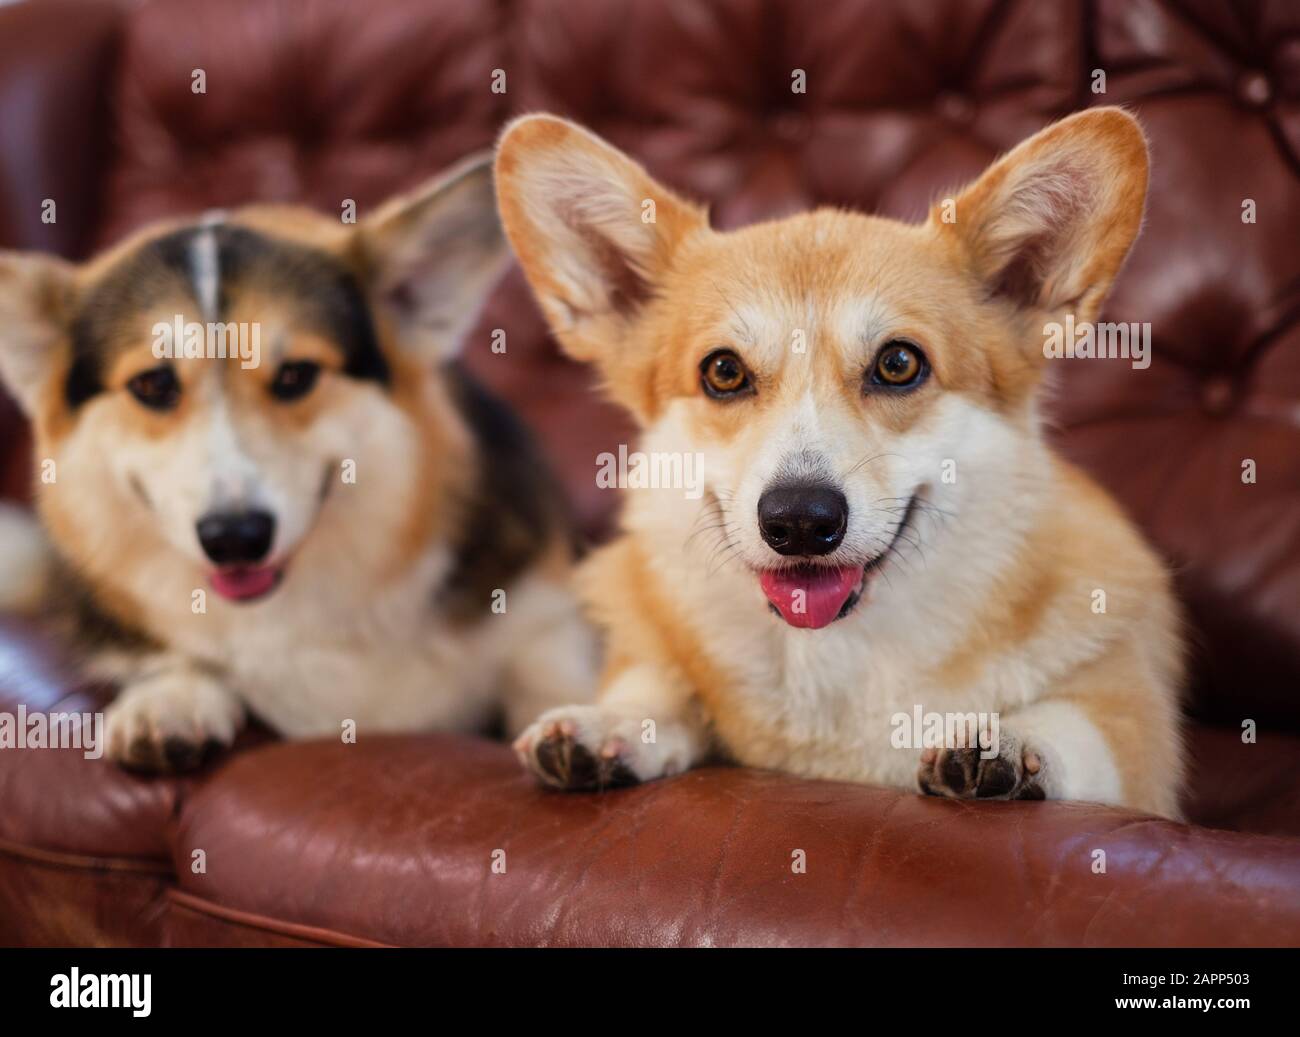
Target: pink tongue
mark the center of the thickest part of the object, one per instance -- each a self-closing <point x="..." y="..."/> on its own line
<point x="239" y="584"/>
<point x="810" y="596"/>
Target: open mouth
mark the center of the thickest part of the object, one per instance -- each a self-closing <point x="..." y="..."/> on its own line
<point x="814" y="596"/>
<point x="244" y="583"/>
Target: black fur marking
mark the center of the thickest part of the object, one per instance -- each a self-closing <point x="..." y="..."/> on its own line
<point x="83" y="380"/>
<point x="517" y="508"/>
<point x="123" y="293"/>
<point x="330" y="297"/>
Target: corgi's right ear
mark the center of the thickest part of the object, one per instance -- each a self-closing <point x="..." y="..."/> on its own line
<point x="593" y="231"/>
<point x="35" y="299"/>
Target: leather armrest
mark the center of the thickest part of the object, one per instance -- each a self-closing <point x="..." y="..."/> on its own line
<point x="394" y="840"/>
<point x="443" y="840"/>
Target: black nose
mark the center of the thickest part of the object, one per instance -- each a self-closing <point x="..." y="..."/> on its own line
<point x="803" y="520"/>
<point x="236" y="537"/>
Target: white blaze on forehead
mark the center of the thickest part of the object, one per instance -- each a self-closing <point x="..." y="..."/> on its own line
<point x="746" y="324"/>
<point x="205" y="264"/>
<point x="768" y="333"/>
<point x="866" y="319"/>
<point x="773" y="329"/>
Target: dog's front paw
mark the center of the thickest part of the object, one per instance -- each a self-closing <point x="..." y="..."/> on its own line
<point x="585" y="747"/>
<point x="1016" y="772"/>
<point x="172" y="720"/>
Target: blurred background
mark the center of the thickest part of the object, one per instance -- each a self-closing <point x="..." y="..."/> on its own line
<point x="318" y="101"/>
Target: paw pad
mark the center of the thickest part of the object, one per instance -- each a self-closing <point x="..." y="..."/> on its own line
<point x="964" y="774"/>
<point x="558" y="754"/>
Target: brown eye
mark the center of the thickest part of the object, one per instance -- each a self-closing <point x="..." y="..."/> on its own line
<point x="723" y="374"/>
<point x="899" y="365"/>
<point x="294" y="379"/>
<point x="158" y="388"/>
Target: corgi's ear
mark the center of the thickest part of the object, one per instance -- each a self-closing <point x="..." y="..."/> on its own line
<point x="432" y="256"/>
<point x="36" y="294"/>
<point x="592" y="230"/>
<point x="1049" y="224"/>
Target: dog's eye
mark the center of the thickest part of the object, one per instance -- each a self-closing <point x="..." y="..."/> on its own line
<point x="294" y="379"/>
<point x="158" y="388"/>
<point x="723" y="374"/>
<point x="899" y="365"/>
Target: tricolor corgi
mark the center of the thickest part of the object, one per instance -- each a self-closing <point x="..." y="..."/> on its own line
<point x="885" y="530"/>
<point x="266" y="486"/>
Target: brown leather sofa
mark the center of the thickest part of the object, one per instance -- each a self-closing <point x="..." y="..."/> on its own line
<point x="393" y="840"/>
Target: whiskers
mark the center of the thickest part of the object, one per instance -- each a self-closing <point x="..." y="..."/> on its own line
<point x="717" y="528"/>
<point x="715" y="520"/>
<point x="868" y="459"/>
<point x="905" y="531"/>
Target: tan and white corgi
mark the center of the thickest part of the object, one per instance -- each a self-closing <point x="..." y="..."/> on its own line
<point x="885" y="530"/>
<point x="267" y="486"/>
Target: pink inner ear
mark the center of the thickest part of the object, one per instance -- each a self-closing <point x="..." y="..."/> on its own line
<point x="1025" y="275"/>
<point x="624" y="286"/>
<point x="1046" y="212"/>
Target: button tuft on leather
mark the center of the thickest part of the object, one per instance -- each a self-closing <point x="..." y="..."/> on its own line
<point x="1254" y="89"/>
<point x="791" y="127"/>
<point x="1217" y="394"/>
<point x="956" y="108"/>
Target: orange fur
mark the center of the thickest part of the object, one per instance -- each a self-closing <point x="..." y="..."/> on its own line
<point x="1007" y="624"/>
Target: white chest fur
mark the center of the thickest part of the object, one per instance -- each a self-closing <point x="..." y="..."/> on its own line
<point x="310" y="658"/>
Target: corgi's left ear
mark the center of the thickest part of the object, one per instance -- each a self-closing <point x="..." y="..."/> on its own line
<point x="35" y="300"/>
<point x="1049" y="224"/>
<point x="432" y="256"/>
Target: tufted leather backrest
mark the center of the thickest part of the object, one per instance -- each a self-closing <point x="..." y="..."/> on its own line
<point x="324" y="100"/>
